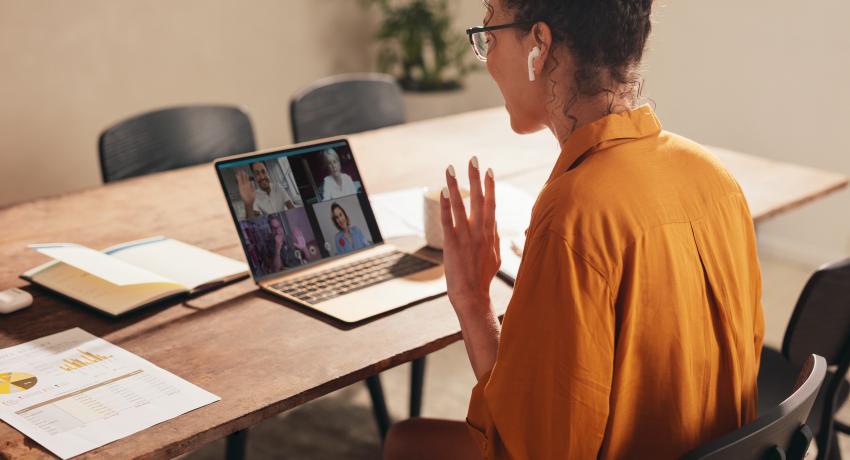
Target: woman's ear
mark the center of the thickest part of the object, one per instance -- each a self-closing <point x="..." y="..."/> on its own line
<point x="541" y="36"/>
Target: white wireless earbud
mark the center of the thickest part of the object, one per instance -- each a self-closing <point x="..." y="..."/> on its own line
<point x="535" y="52"/>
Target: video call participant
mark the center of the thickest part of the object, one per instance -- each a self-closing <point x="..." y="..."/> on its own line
<point x="337" y="184"/>
<point x="270" y="198"/>
<point x="349" y="237"/>
<point x="285" y="254"/>
<point x="299" y="241"/>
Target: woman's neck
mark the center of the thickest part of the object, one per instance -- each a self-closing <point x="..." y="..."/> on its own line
<point x="564" y="121"/>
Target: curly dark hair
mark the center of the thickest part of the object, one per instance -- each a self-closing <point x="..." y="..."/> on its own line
<point x="606" y="38"/>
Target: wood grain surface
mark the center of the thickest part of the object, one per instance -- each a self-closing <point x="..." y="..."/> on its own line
<point x="260" y="354"/>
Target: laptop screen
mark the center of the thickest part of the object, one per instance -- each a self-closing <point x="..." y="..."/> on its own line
<point x="296" y="207"/>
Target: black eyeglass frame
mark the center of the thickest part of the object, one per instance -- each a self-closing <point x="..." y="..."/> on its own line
<point x="478" y="29"/>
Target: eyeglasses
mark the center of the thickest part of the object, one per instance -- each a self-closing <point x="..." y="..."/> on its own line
<point x="479" y="38"/>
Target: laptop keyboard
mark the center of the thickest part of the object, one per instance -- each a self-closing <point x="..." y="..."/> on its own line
<point x="325" y="285"/>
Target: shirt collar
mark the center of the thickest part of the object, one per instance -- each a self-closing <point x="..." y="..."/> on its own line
<point x="606" y="132"/>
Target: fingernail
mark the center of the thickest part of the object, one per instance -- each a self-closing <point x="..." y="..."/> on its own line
<point x="474" y="161"/>
<point x="451" y="170"/>
<point x="490" y="173"/>
<point x="445" y="193"/>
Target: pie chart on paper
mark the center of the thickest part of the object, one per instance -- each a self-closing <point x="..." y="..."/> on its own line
<point x="14" y="382"/>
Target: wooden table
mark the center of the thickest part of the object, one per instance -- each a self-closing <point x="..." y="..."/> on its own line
<point x="237" y="337"/>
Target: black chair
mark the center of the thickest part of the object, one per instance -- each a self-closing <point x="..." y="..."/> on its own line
<point x="779" y="434"/>
<point x="820" y="324"/>
<point x="347" y="104"/>
<point x="173" y="138"/>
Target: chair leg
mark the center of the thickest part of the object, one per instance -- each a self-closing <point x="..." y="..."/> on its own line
<point x="827" y="441"/>
<point x="236" y="445"/>
<point x="835" y="449"/>
<point x="417" y="381"/>
<point x="379" y="405"/>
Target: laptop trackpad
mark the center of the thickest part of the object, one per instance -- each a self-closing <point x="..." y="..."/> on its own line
<point x="388" y="295"/>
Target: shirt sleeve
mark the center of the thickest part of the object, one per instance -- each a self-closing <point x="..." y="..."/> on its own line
<point x="547" y="395"/>
<point x="284" y="196"/>
<point x="361" y="238"/>
<point x="348" y="185"/>
<point x="327" y="193"/>
<point x="337" y="238"/>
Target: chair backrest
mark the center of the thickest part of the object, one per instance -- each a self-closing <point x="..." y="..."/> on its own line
<point x="173" y="138"/>
<point x="780" y="433"/>
<point x="821" y="320"/>
<point x="346" y="104"/>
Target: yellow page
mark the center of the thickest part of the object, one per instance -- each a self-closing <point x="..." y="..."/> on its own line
<point x="97" y="292"/>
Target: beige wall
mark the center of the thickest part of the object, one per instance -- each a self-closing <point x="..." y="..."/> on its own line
<point x="763" y="76"/>
<point x="767" y="77"/>
<point x="70" y="69"/>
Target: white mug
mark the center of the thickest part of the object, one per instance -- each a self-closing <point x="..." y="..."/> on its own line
<point x="432" y="218"/>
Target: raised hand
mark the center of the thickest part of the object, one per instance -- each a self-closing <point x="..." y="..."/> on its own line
<point x="470" y="244"/>
<point x="246" y="191"/>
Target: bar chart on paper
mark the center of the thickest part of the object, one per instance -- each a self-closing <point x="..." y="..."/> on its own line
<point x="83" y="360"/>
<point x="72" y="392"/>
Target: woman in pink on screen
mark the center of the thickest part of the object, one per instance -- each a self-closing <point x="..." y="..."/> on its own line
<point x="349" y="237"/>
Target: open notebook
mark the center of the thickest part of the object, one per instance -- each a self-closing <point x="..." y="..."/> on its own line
<point x="131" y="275"/>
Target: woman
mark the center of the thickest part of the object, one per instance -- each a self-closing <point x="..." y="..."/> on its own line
<point x="349" y="237"/>
<point x="635" y="325"/>
<point x="337" y="184"/>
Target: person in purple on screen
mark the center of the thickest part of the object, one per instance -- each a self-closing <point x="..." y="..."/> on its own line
<point x="349" y="237"/>
<point x="269" y="198"/>
<point x="285" y="253"/>
<point x="337" y="184"/>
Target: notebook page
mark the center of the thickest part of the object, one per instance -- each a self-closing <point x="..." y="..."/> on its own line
<point x="99" y="264"/>
<point x="513" y="214"/>
<point x="92" y="290"/>
<point x="188" y="265"/>
<point x="513" y="209"/>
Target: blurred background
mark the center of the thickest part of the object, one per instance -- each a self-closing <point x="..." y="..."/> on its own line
<point x="764" y="77"/>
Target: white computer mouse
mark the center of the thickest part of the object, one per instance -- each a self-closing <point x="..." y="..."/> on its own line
<point x="14" y="299"/>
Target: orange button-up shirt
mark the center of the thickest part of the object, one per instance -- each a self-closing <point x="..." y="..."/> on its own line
<point x="635" y="326"/>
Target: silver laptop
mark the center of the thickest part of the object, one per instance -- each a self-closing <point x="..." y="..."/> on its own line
<point x="310" y="236"/>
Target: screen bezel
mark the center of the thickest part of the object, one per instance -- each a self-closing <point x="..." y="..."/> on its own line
<point x="283" y="152"/>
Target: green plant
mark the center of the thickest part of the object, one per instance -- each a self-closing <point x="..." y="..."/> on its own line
<point x="419" y="47"/>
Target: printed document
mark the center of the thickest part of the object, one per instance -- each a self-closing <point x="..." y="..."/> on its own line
<point x="72" y="392"/>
